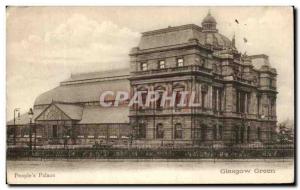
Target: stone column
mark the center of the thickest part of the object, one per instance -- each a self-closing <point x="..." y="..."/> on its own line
<point x="229" y="101"/>
<point x="200" y="94"/>
<point x="210" y="97"/>
<point x="217" y="100"/>
<point x="246" y="103"/>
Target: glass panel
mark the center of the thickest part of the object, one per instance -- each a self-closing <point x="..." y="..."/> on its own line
<point x="161" y="64"/>
<point x="180" y="62"/>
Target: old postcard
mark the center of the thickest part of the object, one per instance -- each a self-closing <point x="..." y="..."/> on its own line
<point x="150" y="95"/>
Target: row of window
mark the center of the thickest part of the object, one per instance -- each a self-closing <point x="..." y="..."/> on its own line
<point x="159" y="131"/>
<point x="162" y="64"/>
<point x="200" y="133"/>
<point x="268" y="109"/>
<point x="240" y="134"/>
<point x="242" y="102"/>
<point x="158" y="102"/>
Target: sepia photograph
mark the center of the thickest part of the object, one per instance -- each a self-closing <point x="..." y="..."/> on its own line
<point x="150" y="95"/>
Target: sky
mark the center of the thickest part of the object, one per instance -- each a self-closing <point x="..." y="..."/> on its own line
<point x="44" y="45"/>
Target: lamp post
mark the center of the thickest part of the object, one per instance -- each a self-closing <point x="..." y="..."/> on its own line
<point x="30" y="115"/>
<point x="15" y="128"/>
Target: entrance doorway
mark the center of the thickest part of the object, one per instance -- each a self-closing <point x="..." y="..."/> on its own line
<point x="54" y="131"/>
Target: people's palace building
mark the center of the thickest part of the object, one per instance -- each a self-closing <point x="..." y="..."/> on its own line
<point x="236" y="96"/>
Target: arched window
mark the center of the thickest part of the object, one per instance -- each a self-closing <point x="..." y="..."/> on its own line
<point x="258" y="133"/>
<point x="203" y="132"/>
<point x="215" y="132"/>
<point x="158" y="103"/>
<point x="144" y="97"/>
<point x="178" y="89"/>
<point x="177" y="98"/>
<point x="143" y="93"/>
<point x="141" y="130"/>
<point x="220" y="132"/>
<point x="160" y="91"/>
<point x="248" y="133"/>
<point x="160" y="131"/>
<point x="178" y="131"/>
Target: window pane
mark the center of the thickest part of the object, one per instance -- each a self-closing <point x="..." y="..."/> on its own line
<point x="159" y="131"/>
<point x="144" y="66"/>
<point x="161" y="64"/>
<point x="178" y="131"/>
<point x="142" y="131"/>
<point x="158" y="101"/>
<point x="180" y="62"/>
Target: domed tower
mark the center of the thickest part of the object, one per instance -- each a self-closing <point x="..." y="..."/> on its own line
<point x="209" y="24"/>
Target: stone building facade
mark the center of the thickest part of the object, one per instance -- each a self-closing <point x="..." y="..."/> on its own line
<point x="236" y="94"/>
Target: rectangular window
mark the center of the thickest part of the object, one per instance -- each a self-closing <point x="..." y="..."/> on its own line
<point x="178" y="131"/>
<point x="161" y="64"/>
<point x="220" y="100"/>
<point x="258" y="104"/>
<point x="214" y="99"/>
<point x="197" y="133"/>
<point x="272" y="106"/>
<point x="203" y="98"/>
<point x="180" y="62"/>
<point x="270" y="83"/>
<point x="248" y="102"/>
<point x="144" y="66"/>
<point x="242" y="102"/>
<point x="237" y="102"/>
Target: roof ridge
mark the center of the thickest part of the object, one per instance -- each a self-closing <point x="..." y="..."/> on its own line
<point x="172" y="28"/>
<point x="97" y="72"/>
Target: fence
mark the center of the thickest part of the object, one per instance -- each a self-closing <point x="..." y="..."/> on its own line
<point x="152" y="153"/>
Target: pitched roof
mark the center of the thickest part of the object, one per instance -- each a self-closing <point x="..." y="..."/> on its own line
<point x="73" y="111"/>
<point x="67" y="111"/>
<point x="83" y="91"/>
<point x="93" y="115"/>
<point x="181" y="35"/>
<point x="100" y="75"/>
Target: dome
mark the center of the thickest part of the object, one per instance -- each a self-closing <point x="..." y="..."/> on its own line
<point x="209" y="23"/>
<point x="209" y="19"/>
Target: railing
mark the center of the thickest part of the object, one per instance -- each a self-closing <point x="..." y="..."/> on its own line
<point x="191" y="68"/>
<point x="154" y="153"/>
<point x="196" y="110"/>
<point x="176" y="110"/>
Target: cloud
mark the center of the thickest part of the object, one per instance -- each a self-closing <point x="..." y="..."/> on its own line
<point x="79" y="44"/>
<point x="77" y="41"/>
